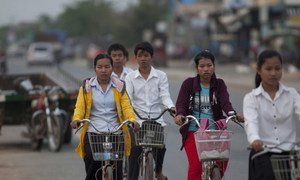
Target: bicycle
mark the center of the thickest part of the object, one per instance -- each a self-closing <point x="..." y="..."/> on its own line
<point x="151" y="134"/>
<point x="285" y="166"/>
<point x="213" y="146"/>
<point x="107" y="147"/>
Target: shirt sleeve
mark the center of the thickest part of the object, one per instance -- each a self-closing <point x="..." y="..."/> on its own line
<point x="164" y="92"/>
<point x="129" y="86"/>
<point x="250" y="111"/>
<point x="296" y="100"/>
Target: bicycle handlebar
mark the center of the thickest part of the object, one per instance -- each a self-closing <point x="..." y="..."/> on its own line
<point x="126" y="122"/>
<point x="156" y="118"/>
<point x="232" y="117"/>
<point x="267" y="149"/>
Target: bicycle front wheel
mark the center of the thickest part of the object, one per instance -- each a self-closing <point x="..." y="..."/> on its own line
<point x="108" y="173"/>
<point x="215" y="173"/>
<point x="149" y="167"/>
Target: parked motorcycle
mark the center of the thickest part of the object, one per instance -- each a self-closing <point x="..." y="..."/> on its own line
<point x="48" y="120"/>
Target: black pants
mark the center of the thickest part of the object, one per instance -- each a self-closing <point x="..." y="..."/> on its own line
<point x="260" y="168"/>
<point x="92" y="166"/>
<point x="136" y="155"/>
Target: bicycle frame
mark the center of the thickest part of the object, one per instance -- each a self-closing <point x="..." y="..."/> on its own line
<point x="213" y="160"/>
<point x="151" y="135"/>
<point x="106" y="147"/>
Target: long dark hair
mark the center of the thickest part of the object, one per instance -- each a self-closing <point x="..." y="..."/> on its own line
<point x="262" y="59"/>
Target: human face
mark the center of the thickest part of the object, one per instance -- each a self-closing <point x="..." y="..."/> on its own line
<point x="143" y="59"/>
<point x="118" y="58"/>
<point x="103" y="70"/>
<point x="271" y="72"/>
<point x="205" y="69"/>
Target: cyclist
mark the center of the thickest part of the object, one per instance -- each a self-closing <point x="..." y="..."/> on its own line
<point x="203" y="96"/>
<point x="119" y="55"/>
<point x="106" y="103"/>
<point x="270" y="112"/>
<point x="147" y="86"/>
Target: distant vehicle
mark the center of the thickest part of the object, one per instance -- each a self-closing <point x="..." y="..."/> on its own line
<point x="41" y="53"/>
<point x="16" y="50"/>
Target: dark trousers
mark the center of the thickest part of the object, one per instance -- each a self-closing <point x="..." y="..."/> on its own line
<point x="91" y="166"/>
<point x="136" y="157"/>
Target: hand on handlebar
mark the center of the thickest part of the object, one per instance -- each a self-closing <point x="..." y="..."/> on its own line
<point x="136" y="126"/>
<point x="75" y="124"/>
<point x="179" y="119"/>
<point x="257" y="145"/>
<point x="240" y="118"/>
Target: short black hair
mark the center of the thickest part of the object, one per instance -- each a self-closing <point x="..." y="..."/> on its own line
<point x="204" y="54"/>
<point x="144" y="46"/>
<point x="116" y="47"/>
<point x="102" y="56"/>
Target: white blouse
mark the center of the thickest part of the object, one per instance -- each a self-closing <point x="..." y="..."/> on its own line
<point x="272" y="121"/>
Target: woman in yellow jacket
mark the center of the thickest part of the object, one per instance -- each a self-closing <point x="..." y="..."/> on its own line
<point x="104" y="100"/>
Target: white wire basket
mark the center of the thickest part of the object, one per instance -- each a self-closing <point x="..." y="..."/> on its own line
<point x="213" y="144"/>
<point x="286" y="167"/>
<point x="151" y="134"/>
<point x="107" y="146"/>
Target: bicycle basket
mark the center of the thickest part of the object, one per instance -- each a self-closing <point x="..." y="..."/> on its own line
<point x="286" y="167"/>
<point x="151" y="134"/>
<point x="213" y="144"/>
<point x="107" y="146"/>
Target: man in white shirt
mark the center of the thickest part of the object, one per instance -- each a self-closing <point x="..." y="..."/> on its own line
<point x="147" y="87"/>
<point x="119" y="55"/>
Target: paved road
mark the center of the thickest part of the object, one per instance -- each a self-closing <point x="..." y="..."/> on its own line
<point x="18" y="162"/>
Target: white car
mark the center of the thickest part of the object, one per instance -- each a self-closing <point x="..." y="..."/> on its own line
<point x="40" y="53"/>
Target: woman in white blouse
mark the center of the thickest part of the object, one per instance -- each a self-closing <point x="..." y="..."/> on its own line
<point x="270" y="113"/>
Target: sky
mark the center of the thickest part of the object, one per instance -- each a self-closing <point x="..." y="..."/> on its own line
<point x="15" y="11"/>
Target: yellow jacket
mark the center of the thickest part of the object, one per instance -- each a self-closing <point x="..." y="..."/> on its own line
<point x="82" y="111"/>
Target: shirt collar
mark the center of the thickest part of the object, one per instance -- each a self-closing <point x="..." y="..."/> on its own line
<point x="261" y="90"/>
<point x="124" y="72"/>
<point x="95" y="83"/>
<point x="153" y="73"/>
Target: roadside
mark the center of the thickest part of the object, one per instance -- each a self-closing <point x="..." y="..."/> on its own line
<point x="235" y="75"/>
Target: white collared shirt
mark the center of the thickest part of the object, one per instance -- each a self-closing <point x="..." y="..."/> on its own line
<point x="148" y="95"/>
<point x="272" y="121"/>
<point x="124" y="73"/>
<point x="103" y="111"/>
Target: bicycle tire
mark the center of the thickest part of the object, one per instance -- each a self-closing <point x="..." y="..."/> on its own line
<point x="215" y="173"/>
<point x="149" y="167"/>
<point x="108" y="173"/>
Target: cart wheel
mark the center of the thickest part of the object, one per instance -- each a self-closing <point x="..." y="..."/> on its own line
<point x="55" y="139"/>
<point x="36" y="144"/>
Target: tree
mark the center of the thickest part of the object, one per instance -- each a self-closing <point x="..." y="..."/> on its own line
<point x="91" y="19"/>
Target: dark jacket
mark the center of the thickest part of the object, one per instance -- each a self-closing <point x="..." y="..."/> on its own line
<point x="219" y="99"/>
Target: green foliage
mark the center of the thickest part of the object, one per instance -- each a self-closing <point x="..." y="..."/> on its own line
<point x="88" y="19"/>
<point x="97" y="19"/>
